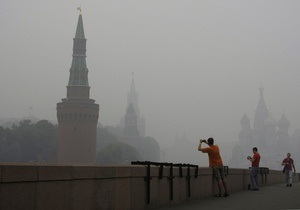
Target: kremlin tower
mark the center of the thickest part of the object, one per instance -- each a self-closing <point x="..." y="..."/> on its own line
<point x="77" y="114"/>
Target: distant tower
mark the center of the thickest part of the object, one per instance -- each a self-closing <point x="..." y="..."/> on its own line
<point x="283" y="134"/>
<point x="245" y="135"/>
<point x="132" y="98"/>
<point x="261" y="114"/>
<point x="130" y="123"/>
<point x="77" y="114"/>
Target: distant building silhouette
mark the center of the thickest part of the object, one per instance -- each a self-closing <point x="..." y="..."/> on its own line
<point x="284" y="141"/>
<point x="261" y="114"/>
<point x="130" y="123"/>
<point x="132" y="98"/>
<point x="268" y="135"/>
<point x="245" y="135"/>
<point x="77" y="114"/>
<point x="133" y="126"/>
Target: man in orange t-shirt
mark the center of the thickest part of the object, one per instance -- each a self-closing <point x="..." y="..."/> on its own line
<point x="215" y="161"/>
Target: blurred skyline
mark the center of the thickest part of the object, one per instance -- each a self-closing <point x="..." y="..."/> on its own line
<point x="197" y="65"/>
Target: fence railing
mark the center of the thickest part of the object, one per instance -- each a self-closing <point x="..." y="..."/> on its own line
<point x="170" y="177"/>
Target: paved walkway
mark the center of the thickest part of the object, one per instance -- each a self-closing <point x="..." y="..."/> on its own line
<point x="267" y="198"/>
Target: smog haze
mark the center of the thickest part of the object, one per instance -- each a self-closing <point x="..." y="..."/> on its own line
<point x="198" y="65"/>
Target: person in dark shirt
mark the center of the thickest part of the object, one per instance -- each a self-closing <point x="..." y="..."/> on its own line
<point x="254" y="169"/>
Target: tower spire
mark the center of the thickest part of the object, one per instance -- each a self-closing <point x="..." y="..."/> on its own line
<point x="79" y="30"/>
<point x="132" y="86"/>
<point x="261" y="112"/>
<point x="132" y="96"/>
<point x="78" y="86"/>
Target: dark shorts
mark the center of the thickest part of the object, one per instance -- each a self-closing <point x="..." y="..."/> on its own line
<point x="218" y="172"/>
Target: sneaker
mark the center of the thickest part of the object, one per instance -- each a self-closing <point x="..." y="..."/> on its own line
<point x="226" y="194"/>
<point x="290" y="184"/>
<point x="287" y="185"/>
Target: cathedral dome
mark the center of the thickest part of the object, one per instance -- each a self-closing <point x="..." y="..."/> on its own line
<point x="283" y="122"/>
<point x="245" y="120"/>
<point x="270" y="120"/>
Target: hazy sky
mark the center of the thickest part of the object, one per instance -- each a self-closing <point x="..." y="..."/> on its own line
<point x="198" y="64"/>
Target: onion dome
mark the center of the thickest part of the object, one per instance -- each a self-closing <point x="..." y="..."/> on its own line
<point x="283" y="122"/>
<point x="245" y="120"/>
<point x="270" y="120"/>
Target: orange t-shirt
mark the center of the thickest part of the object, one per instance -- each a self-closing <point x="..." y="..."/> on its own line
<point x="213" y="155"/>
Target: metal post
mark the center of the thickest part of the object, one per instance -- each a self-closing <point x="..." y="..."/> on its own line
<point x="171" y="177"/>
<point x="189" y="180"/>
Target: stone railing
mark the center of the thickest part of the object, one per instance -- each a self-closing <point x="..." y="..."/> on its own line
<point x="144" y="185"/>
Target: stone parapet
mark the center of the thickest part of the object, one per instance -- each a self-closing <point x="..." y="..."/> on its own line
<point x="125" y="187"/>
